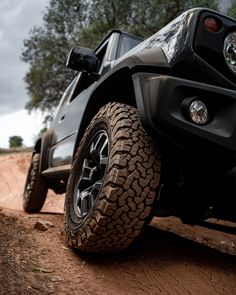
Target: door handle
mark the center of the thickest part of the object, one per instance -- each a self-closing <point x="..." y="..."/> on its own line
<point x="62" y="118"/>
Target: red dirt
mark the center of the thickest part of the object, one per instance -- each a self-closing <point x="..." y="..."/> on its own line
<point x="170" y="258"/>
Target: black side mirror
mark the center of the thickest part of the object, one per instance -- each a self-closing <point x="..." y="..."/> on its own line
<point x="82" y="59"/>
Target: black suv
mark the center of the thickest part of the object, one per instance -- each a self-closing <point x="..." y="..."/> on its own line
<point x="146" y="128"/>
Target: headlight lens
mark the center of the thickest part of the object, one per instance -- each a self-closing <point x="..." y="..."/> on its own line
<point x="198" y="112"/>
<point x="230" y="51"/>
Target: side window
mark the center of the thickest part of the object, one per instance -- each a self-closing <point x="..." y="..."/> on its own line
<point x="82" y="82"/>
<point x="66" y="95"/>
<point x="115" y="46"/>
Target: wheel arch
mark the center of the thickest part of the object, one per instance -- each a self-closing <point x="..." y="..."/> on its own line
<point x="37" y="146"/>
<point x="42" y="147"/>
<point x="118" y="87"/>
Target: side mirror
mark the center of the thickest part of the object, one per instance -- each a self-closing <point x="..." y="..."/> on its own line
<point x="82" y="59"/>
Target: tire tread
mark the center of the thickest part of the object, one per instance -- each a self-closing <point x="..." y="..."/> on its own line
<point x="129" y="188"/>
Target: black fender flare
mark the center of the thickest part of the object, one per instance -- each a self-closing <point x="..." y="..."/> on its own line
<point x="147" y="60"/>
<point x="42" y="146"/>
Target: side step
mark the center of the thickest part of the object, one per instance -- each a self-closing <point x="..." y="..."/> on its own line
<point x="61" y="172"/>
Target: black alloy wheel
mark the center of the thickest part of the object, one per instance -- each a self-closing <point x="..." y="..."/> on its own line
<point x="92" y="174"/>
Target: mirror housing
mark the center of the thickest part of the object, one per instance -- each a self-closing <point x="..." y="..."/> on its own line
<point x="82" y="59"/>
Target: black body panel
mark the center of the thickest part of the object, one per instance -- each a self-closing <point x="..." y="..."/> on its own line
<point x="181" y="61"/>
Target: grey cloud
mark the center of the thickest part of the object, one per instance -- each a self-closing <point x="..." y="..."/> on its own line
<point x="16" y="20"/>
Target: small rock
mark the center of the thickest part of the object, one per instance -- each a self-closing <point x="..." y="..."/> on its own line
<point x="57" y="279"/>
<point x="65" y="248"/>
<point x="43" y="225"/>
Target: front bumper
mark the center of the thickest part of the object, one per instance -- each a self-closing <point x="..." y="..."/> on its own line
<point x="159" y="100"/>
<point x="207" y="152"/>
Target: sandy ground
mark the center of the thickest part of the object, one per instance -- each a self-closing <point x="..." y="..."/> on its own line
<point x="170" y="258"/>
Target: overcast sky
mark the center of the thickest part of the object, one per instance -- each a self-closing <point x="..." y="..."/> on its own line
<point x="17" y="17"/>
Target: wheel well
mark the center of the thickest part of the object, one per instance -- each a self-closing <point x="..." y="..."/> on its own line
<point x="116" y="88"/>
<point x="37" y="147"/>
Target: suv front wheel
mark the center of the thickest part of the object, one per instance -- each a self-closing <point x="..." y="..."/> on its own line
<point x="112" y="183"/>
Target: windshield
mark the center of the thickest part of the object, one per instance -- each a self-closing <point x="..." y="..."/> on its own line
<point x="127" y="43"/>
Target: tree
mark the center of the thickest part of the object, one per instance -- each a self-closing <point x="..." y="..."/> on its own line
<point x="67" y="23"/>
<point x="46" y="50"/>
<point x="170" y="9"/>
<point x="141" y="17"/>
<point x="231" y="11"/>
<point x="15" y="141"/>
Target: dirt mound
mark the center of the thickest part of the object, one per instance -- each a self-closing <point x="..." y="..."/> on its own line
<point x="13" y="169"/>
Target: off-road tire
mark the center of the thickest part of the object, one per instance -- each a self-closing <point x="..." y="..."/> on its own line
<point x="129" y="185"/>
<point x="36" y="189"/>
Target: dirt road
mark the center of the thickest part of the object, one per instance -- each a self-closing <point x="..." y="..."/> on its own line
<point x="161" y="262"/>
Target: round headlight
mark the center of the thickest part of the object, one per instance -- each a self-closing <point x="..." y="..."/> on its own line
<point x="198" y="112"/>
<point x="230" y="51"/>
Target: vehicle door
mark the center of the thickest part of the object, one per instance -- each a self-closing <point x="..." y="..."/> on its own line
<point x="70" y="113"/>
<point x="68" y="118"/>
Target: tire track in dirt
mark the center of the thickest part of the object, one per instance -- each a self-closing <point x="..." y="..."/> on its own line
<point x="161" y="262"/>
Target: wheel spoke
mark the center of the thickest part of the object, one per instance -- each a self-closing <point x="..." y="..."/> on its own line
<point x="86" y="171"/>
<point x="99" y="148"/>
<point x="97" y="185"/>
<point x="85" y="199"/>
<point x="104" y="148"/>
<point x="98" y="143"/>
<point x="94" y="193"/>
<point x="92" y="173"/>
<point x="103" y="161"/>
